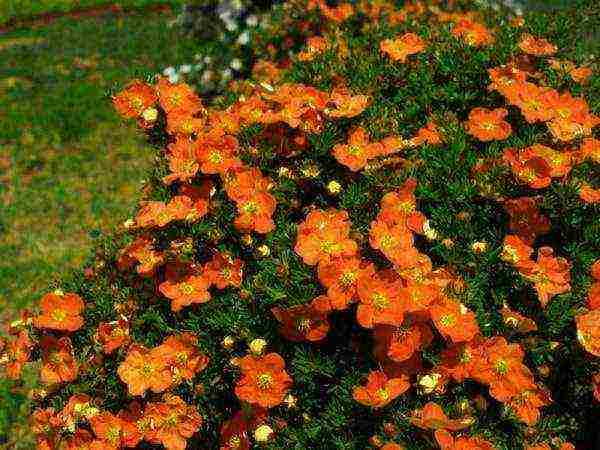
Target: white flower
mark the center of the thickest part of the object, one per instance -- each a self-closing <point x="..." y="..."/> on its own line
<point x="252" y="20"/>
<point x="173" y="79"/>
<point x="243" y="38"/>
<point x="186" y="68"/>
<point x="207" y="60"/>
<point x="169" y="71"/>
<point x="235" y="64"/>
<point x="231" y="25"/>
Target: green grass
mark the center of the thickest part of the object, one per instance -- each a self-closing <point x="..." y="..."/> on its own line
<point x="69" y="170"/>
<point x="23" y="9"/>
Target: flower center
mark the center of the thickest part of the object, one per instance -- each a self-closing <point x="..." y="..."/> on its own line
<point x="380" y="301"/>
<point x="215" y="157"/>
<point x="383" y="394"/>
<point x="59" y="315"/>
<point x="501" y="367"/>
<point x="186" y="288"/>
<point x="448" y="320"/>
<point x="354" y="150"/>
<point x="264" y="381"/>
<point x="250" y="207"/>
<point x="348" y="278"/>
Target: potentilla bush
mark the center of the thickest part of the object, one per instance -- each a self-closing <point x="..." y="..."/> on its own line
<point x="390" y="239"/>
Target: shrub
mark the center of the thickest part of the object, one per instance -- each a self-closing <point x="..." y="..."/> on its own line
<point x="389" y="239"/>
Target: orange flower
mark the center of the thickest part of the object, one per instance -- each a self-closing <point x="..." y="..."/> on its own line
<point x="380" y="390"/>
<point x="394" y="241"/>
<point x="345" y="104"/>
<point x="503" y="369"/>
<point x="184" y="286"/>
<point x="182" y="123"/>
<point x="144" y="370"/>
<point x="255" y="213"/>
<point x="588" y="331"/>
<point x="141" y="253"/>
<point x="264" y="380"/>
<point x="356" y="153"/>
<point x="234" y="432"/>
<point x="381" y="300"/>
<point x="16" y="354"/>
<point x="315" y="45"/>
<point x="180" y="353"/>
<point x="449" y="442"/>
<point x="580" y="74"/>
<point x="250" y="191"/>
<point x="433" y="417"/>
<point x="527" y="404"/>
<point x="223" y="271"/>
<point x="400" y="207"/>
<point x="473" y="33"/>
<point x="488" y="125"/>
<point x="302" y="323"/>
<point x="45" y="425"/>
<point x="454" y="320"/>
<point x="421" y="294"/>
<point x="560" y="163"/>
<point x="400" y="48"/>
<point x="459" y="361"/>
<point x="60" y="312"/>
<point x="174" y="422"/>
<point x="217" y="152"/>
<point x="517" y="253"/>
<point x="392" y="446"/>
<point x="194" y="200"/>
<point x="533" y="101"/>
<point x="177" y="98"/>
<point x="505" y="79"/>
<point x="402" y="342"/>
<point x="135" y="99"/>
<point x="182" y="162"/>
<point x="244" y="183"/>
<point x="517" y="321"/>
<point x="58" y="362"/>
<point x="340" y="277"/>
<point x="550" y="275"/>
<point x="590" y="149"/>
<point x="113" y="335"/>
<point x="82" y="440"/>
<point x="78" y="408"/>
<point x="428" y="134"/>
<point x="324" y="235"/>
<point x="589" y="194"/>
<point x="536" y="46"/>
<point x="111" y="429"/>
<point x="529" y="168"/>
<point x="525" y="218"/>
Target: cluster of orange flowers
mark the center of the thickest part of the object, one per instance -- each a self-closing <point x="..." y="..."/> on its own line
<point x="398" y="305"/>
<point x="567" y="117"/>
<point x="549" y="274"/>
<point x="169" y="422"/>
<point x="206" y="143"/>
<point x="588" y="323"/>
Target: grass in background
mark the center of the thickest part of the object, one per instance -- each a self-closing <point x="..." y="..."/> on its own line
<point x="69" y="169"/>
<point x="23" y="9"/>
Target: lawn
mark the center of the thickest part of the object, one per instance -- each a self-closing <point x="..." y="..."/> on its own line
<point x="13" y="10"/>
<point x="69" y="170"/>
